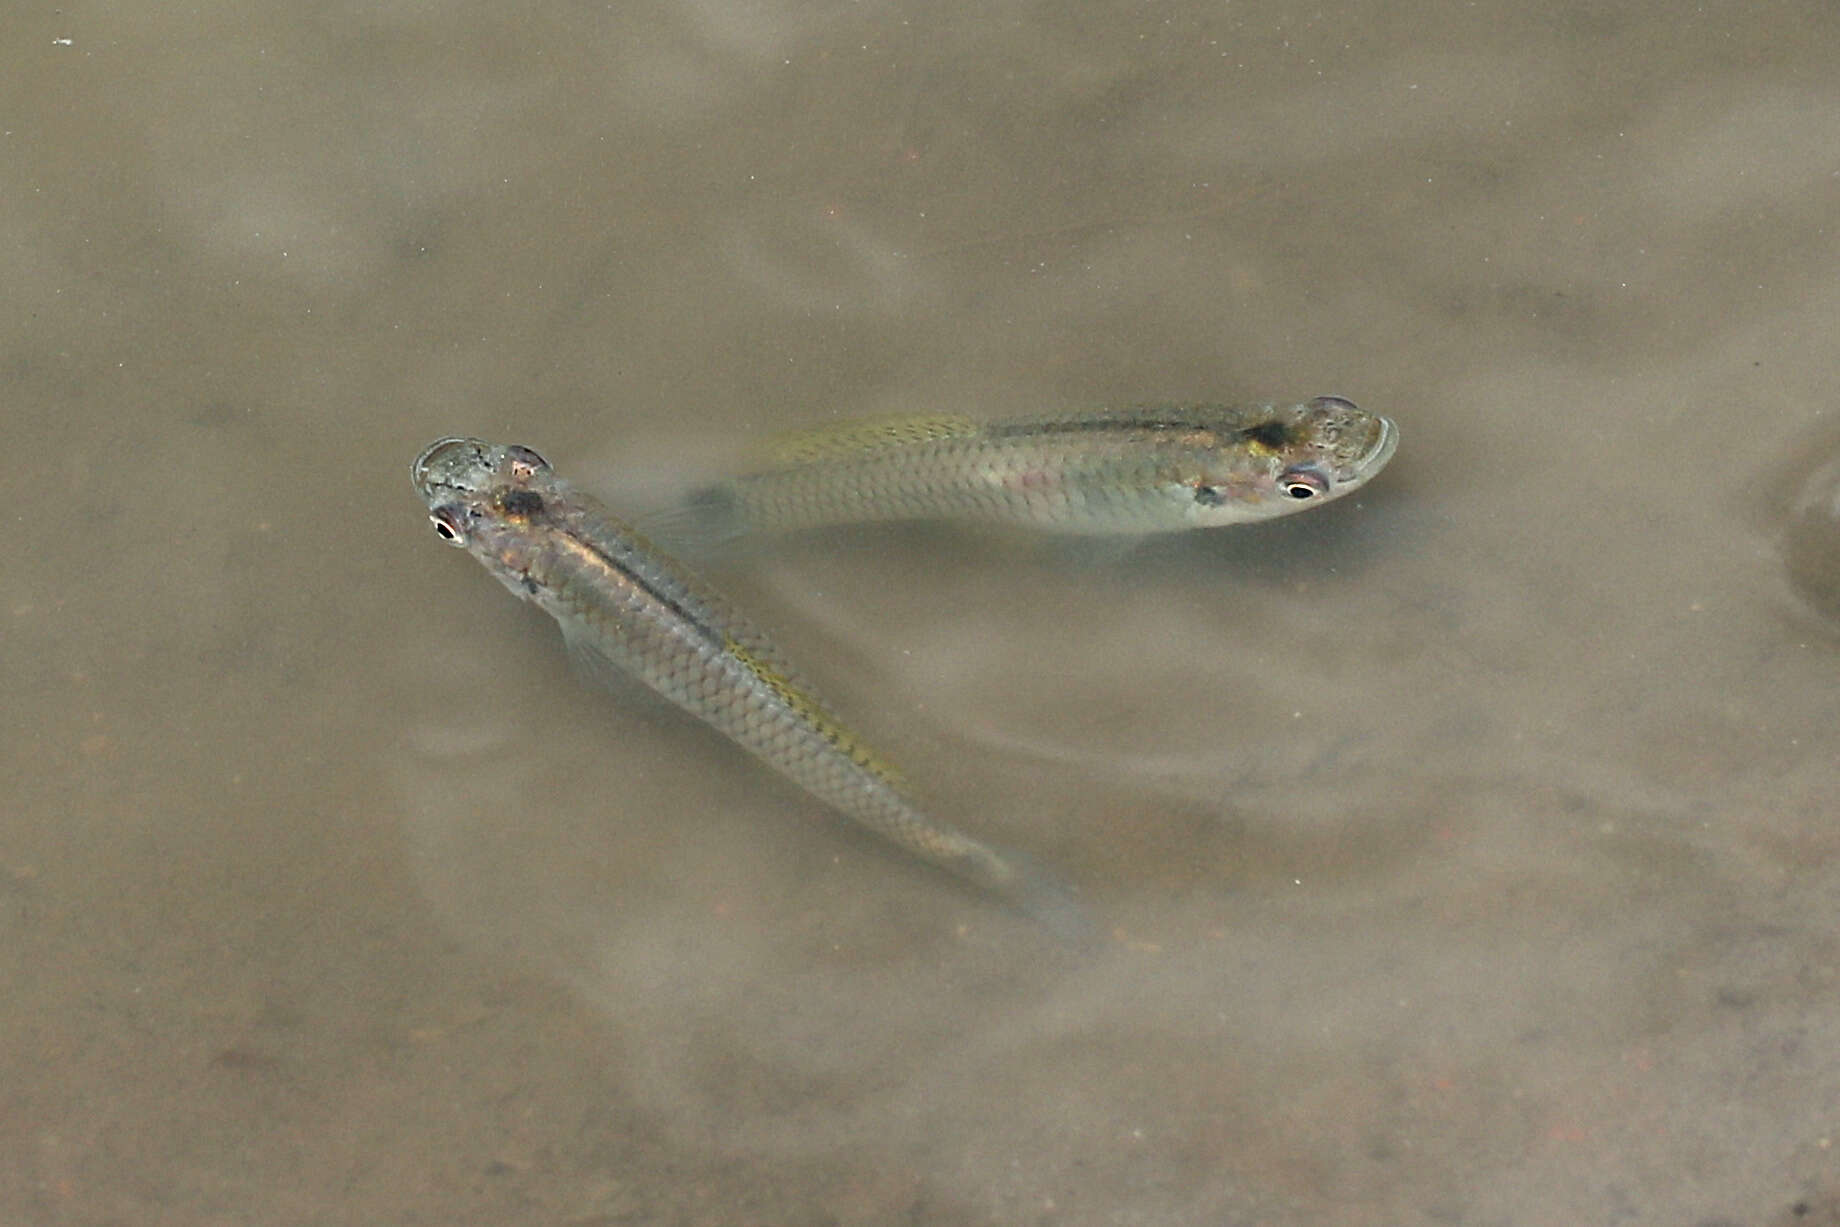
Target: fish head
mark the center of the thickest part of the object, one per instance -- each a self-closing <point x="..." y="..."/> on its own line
<point x="483" y="498"/>
<point x="1282" y="459"/>
<point x="473" y="466"/>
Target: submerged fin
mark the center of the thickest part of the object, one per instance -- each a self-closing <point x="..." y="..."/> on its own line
<point x="1047" y="899"/>
<point x="863" y="436"/>
<point x="1093" y="552"/>
<point x="599" y="671"/>
<point x="704" y="523"/>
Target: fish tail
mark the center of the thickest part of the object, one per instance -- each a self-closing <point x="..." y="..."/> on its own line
<point x="1035" y="891"/>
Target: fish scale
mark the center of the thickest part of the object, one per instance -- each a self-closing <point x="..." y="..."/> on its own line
<point x="624" y="607"/>
<point x="1151" y="469"/>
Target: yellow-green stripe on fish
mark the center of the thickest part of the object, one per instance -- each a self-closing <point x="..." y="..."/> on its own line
<point x="1154" y="469"/>
<point x="625" y="608"/>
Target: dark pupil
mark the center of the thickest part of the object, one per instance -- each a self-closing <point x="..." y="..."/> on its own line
<point x="1300" y="490"/>
<point x="446" y="533"/>
<point x="1207" y="496"/>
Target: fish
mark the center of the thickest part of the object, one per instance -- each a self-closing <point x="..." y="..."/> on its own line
<point x="1132" y="472"/>
<point x="629" y="612"/>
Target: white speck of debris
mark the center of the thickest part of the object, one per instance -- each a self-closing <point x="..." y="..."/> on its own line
<point x="62" y="42"/>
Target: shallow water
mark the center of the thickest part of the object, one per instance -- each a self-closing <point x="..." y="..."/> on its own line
<point x="1464" y="850"/>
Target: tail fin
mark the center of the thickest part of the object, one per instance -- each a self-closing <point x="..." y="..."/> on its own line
<point x="1048" y="899"/>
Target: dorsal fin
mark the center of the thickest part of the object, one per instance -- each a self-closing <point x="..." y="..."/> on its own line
<point x="863" y="436"/>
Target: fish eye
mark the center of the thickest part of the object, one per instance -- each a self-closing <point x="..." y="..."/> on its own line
<point x="1303" y="483"/>
<point x="446" y="521"/>
<point x="1208" y="496"/>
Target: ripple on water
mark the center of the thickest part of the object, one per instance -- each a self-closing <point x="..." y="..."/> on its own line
<point x="1811" y="544"/>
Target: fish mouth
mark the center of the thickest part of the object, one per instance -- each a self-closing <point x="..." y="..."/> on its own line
<point x="1382" y="450"/>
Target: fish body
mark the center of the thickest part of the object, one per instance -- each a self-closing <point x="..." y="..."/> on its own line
<point x="626" y="608"/>
<point x="1155" y="469"/>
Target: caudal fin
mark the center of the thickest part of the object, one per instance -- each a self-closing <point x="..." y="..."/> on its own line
<point x="1048" y="899"/>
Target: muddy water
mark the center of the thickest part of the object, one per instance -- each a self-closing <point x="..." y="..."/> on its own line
<point x="1463" y="850"/>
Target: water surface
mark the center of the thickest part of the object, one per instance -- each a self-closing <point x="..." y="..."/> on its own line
<point x="1464" y="849"/>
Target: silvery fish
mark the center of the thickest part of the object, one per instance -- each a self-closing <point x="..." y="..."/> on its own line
<point x="1154" y="469"/>
<point x="628" y="611"/>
